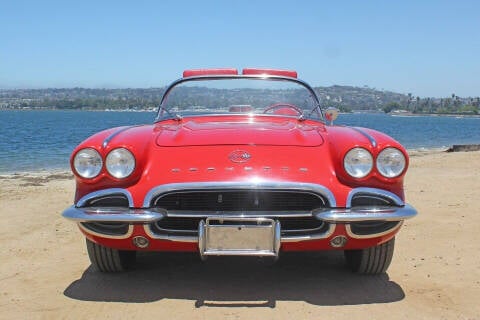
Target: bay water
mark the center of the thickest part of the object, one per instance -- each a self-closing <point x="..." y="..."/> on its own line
<point x="32" y="141"/>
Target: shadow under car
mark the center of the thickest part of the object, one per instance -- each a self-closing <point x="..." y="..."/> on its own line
<point x="319" y="278"/>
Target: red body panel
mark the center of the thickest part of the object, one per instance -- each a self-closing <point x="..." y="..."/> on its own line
<point x="323" y="158"/>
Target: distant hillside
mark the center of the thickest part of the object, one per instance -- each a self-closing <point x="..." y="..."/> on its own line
<point x="350" y="98"/>
<point x="346" y="98"/>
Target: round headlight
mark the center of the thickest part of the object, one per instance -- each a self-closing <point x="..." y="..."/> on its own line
<point x="391" y="162"/>
<point x="120" y="163"/>
<point x="358" y="162"/>
<point x="88" y="163"/>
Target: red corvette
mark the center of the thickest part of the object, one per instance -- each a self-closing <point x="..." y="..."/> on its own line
<point x="241" y="164"/>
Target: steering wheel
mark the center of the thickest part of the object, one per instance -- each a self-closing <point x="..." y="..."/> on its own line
<point x="283" y="108"/>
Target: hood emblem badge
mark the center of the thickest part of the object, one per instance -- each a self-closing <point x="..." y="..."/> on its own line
<point x="239" y="156"/>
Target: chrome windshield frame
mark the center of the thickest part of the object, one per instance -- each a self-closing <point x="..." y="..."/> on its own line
<point x="228" y="77"/>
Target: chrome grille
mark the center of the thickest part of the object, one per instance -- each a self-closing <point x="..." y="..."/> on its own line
<point x="239" y="200"/>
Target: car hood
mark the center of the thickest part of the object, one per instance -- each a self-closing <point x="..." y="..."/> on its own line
<point x="284" y="132"/>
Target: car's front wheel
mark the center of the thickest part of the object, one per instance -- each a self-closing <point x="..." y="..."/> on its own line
<point x="373" y="260"/>
<point x="110" y="260"/>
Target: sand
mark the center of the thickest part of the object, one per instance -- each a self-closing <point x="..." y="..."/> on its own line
<point x="435" y="274"/>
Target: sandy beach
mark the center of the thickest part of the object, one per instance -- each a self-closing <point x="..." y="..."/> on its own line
<point x="435" y="274"/>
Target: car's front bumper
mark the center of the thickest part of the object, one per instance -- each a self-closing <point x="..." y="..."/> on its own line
<point x="351" y="221"/>
<point x="363" y="225"/>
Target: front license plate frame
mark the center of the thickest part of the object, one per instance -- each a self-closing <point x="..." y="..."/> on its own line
<point x="239" y="236"/>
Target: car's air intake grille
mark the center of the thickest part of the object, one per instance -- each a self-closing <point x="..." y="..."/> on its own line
<point x="189" y="225"/>
<point x="372" y="227"/>
<point x="239" y="200"/>
<point x="367" y="199"/>
<point x="110" y="200"/>
<point x="107" y="228"/>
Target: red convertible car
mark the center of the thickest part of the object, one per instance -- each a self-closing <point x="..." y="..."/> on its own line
<point x="240" y="163"/>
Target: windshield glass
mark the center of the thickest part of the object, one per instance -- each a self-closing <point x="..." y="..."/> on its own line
<point x="208" y="96"/>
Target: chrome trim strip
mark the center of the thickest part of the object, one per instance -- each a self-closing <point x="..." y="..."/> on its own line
<point x="175" y="230"/>
<point x="168" y="237"/>
<point x="372" y="235"/>
<point x="92" y="214"/>
<point x="318" y="236"/>
<point x="117" y="132"/>
<point x="108" y="236"/>
<point x="252" y="214"/>
<point x="374" y="191"/>
<point x="372" y="140"/>
<point x="246" y="185"/>
<point x="105" y="192"/>
<point x="366" y="214"/>
<point x="260" y="253"/>
<point x="311" y="230"/>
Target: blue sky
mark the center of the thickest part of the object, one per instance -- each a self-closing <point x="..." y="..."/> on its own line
<point x="427" y="48"/>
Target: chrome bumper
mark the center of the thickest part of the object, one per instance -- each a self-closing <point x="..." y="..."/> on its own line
<point x="93" y="214"/>
<point x="366" y="214"/>
<point x="143" y="216"/>
<point x="332" y="216"/>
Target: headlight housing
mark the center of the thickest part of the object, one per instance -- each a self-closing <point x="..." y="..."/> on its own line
<point x="358" y="162"/>
<point x="391" y="162"/>
<point x="88" y="163"/>
<point x="120" y="163"/>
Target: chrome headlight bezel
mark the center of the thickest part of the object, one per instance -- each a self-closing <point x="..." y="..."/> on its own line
<point x="120" y="163"/>
<point x="391" y="162"/>
<point x="88" y="163"/>
<point x="358" y="162"/>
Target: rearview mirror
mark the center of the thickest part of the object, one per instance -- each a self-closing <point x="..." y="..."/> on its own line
<point x="331" y="114"/>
